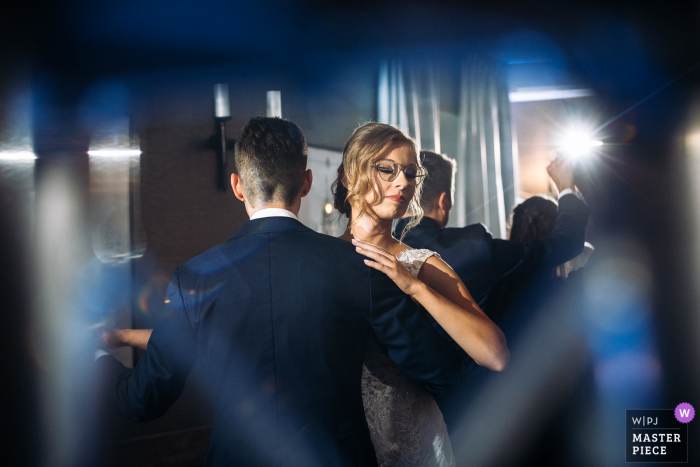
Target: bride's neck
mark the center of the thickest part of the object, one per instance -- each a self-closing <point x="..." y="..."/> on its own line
<point x="372" y="230"/>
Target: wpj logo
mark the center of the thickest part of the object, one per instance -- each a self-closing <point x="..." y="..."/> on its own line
<point x="645" y="421"/>
<point x="658" y="435"/>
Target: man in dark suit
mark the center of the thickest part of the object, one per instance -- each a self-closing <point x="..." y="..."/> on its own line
<point x="484" y="262"/>
<point x="279" y="316"/>
<point x="480" y="260"/>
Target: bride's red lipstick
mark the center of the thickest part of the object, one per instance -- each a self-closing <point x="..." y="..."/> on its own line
<point x="397" y="198"/>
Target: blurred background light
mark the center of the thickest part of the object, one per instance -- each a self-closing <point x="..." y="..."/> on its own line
<point x="115" y="152"/>
<point x="115" y="172"/>
<point x="620" y="330"/>
<point x="19" y="156"/>
<point x="152" y="292"/>
<point x="546" y="93"/>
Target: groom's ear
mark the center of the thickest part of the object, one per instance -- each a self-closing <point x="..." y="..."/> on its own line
<point x="444" y="201"/>
<point x="308" y="180"/>
<point x="237" y="188"/>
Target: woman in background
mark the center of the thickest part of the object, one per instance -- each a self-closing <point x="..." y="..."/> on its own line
<point x="512" y="301"/>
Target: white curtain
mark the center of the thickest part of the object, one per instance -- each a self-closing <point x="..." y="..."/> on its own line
<point x="464" y="112"/>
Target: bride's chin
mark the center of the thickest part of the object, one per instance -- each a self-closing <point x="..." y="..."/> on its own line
<point x="395" y="215"/>
<point x="386" y="216"/>
<point x="400" y="213"/>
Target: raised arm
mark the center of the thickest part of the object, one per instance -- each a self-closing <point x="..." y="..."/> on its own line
<point x="440" y="291"/>
<point x="561" y="171"/>
<point x="565" y="242"/>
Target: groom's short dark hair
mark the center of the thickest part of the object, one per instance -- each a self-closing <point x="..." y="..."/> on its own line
<point x="271" y="160"/>
<point x="441" y="177"/>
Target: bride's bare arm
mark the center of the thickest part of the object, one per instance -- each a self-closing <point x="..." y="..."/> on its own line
<point x="114" y="338"/>
<point x="465" y="321"/>
<point x="444" y="296"/>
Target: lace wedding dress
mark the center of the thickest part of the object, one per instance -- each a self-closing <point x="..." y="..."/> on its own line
<point x="405" y="423"/>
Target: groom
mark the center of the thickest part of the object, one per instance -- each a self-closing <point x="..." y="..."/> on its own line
<point x="279" y="316"/>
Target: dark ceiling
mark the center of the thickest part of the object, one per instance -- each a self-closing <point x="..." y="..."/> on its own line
<point x="625" y="50"/>
<point x="93" y="38"/>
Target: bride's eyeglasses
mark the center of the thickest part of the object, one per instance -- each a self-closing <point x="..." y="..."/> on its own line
<point x="389" y="170"/>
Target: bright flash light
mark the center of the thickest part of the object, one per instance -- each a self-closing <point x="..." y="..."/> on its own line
<point x="328" y="208"/>
<point x="578" y="143"/>
<point x="115" y="152"/>
<point x="17" y="156"/>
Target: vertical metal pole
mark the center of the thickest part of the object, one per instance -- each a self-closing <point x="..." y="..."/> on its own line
<point x="221" y="160"/>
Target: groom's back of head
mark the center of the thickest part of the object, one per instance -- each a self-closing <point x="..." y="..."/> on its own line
<point x="271" y="160"/>
<point x="441" y="178"/>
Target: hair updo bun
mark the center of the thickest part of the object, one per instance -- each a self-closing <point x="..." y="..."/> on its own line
<point x="340" y="194"/>
<point x="533" y="218"/>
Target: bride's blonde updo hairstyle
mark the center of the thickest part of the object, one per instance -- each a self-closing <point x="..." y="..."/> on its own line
<point x="356" y="174"/>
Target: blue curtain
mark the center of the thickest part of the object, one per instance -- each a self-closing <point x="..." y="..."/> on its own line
<point x="462" y="111"/>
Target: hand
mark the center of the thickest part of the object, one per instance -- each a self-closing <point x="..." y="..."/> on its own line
<point x="113" y="338"/>
<point x="562" y="173"/>
<point x="110" y="338"/>
<point x="388" y="264"/>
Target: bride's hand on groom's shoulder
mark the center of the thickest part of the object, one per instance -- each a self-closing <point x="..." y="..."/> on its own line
<point x="383" y="261"/>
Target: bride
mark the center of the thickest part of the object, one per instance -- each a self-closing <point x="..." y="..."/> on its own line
<point x="379" y="180"/>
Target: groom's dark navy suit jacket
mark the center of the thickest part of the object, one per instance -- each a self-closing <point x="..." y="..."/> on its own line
<point x="279" y="316"/>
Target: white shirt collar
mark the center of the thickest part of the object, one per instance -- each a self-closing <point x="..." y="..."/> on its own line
<point x="272" y="212"/>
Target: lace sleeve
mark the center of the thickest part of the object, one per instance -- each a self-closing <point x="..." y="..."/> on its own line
<point x="413" y="259"/>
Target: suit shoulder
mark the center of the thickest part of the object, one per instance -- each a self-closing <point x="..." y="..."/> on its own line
<point x="322" y="242"/>
<point x="340" y="253"/>
<point x="571" y="202"/>
<point x="477" y="231"/>
<point x="479" y="227"/>
<point x="215" y="258"/>
<point x="330" y="240"/>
